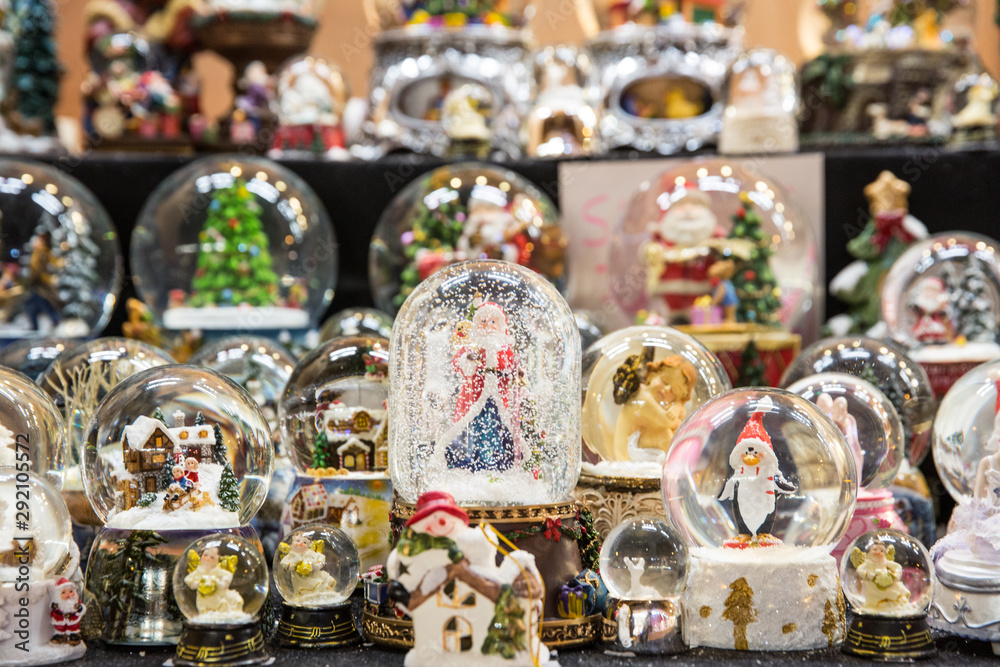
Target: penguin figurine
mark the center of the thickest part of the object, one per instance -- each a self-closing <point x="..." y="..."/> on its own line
<point x="755" y="482"/>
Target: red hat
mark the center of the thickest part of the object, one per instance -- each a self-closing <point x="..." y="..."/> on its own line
<point x="62" y="584"/>
<point x="437" y="501"/>
<point x="754" y="430"/>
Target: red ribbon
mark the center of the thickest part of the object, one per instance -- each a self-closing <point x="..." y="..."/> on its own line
<point x="553" y="528"/>
<point x="889" y="225"/>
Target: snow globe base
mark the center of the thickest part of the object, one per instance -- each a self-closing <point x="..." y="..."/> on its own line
<point x="613" y="500"/>
<point x="876" y="510"/>
<point x="747" y="133"/>
<point x="967" y="597"/>
<point x="330" y="627"/>
<point x="777" y="598"/>
<point x="43" y="648"/>
<point x="886" y="639"/>
<point x="944" y="373"/>
<point x="644" y="627"/>
<point x="235" y="645"/>
<point x="775" y="348"/>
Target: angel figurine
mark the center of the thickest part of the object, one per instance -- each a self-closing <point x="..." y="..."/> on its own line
<point x="304" y="562"/>
<point x="882" y="577"/>
<point x="211" y="575"/>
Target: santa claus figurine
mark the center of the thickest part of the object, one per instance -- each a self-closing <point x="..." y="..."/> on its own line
<point x="67" y="610"/>
<point x="930" y="304"/>
<point x="485" y="433"/>
<point x="755" y="482"/>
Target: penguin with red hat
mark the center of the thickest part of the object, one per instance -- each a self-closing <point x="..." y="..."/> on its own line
<point x="755" y="482"/>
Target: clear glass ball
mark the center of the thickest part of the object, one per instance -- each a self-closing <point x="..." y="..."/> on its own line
<point x="941" y="298"/>
<point x="177" y="447"/>
<point x="333" y="409"/>
<point x="234" y="243"/>
<point x="590" y="331"/>
<point x="32" y="435"/>
<point x="61" y="260"/>
<point x="887" y="573"/>
<point x="760" y="467"/>
<point x="644" y="559"/>
<point x="867" y="419"/>
<point x="484" y="388"/>
<point x="33" y="355"/>
<point x="32" y="512"/>
<point x="884" y="365"/>
<point x="460" y="212"/>
<point x="640" y="383"/>
<point x="356" y="322"/>
<point x="967" y="433"/>
<point x="221" y="579"/>
<point x="316" y="567"/>
<point x="675" y="235"/>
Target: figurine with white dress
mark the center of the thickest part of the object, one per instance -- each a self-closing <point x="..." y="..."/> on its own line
<point x="211" y="576"/>
<point x="882" y="576"/>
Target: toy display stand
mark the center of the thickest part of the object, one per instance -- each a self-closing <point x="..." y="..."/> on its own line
<point x="776" y="348"/>
<point x="331" y="627"/>
<point x="967" y="597"/>
<point x="777" y="598"/>
<point x="886" y="639"/>
<point x="875" y="510"/>
<point x="539" y="530"/>
<point x="613" y="500"/>
<point x="231" y="645"/>
<point x="644" y="627"/>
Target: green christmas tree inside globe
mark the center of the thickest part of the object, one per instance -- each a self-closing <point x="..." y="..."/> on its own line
<point x="234" y="261"/>
<point x="755" y="284"/>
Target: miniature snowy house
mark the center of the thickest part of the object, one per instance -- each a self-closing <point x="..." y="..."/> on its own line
<point x="357" y="435"/>
<point x="312" y="504"/>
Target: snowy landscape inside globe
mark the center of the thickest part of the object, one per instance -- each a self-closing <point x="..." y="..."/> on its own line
<point x="42" y="521"/>
<point x="32" y="436"/>
<point x="644" y="559"/>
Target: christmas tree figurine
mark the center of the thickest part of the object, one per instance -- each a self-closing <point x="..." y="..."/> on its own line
<point x="755" y="284"/>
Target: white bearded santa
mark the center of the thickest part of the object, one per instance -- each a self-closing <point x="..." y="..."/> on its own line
<point x="755" y="482"/>
<point x="486" y="230"/>
<point x="931" y="307"/>
<point x="67" y="610"/>
<point x="485" y="433"/>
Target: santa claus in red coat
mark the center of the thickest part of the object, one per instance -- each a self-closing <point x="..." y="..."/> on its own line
<point x="67" y="610"/>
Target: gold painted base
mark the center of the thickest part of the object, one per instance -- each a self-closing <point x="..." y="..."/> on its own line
<point x="230" y="645"/>
<point x="889" y="639"/>
<point x="616" y="499"/>
<point x="317" y="628"/>
<point x="403" y="510"/>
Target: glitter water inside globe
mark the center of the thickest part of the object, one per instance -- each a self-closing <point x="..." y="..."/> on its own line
<point x="887" y="573"/>
<point x="220" y="579"/>
<point x="644" y="559"/>
<point x="316" y="566"/>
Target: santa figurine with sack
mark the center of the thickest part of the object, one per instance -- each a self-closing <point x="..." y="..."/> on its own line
<point x="931" y="307"/>
<point x="67" y="610"/>
<point x="755" y="483"/>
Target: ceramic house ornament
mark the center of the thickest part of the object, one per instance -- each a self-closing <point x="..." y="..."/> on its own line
<point x="762" y="485"/>
<point x="464" y="606"/>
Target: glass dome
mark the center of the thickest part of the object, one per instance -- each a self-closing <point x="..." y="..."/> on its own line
<point x="220" y="579"/>
<point x="867" y="419"/>
<point x="884" y="365"/>
<point x="760" y="468"/>
<point x="640" y="384"/>
<point x="31" y="430"/>
<point x="48" y="526"/>
<point x="32" y="356"/>
<point x="484" y="388"/>
<point x="887" y="573"/>
<point x="941" y="298"/>
<point x="414" y="14"/>
<point x="232" y="243"/>
<point x="681" y="241"/>
<point x="644" y="559"/>
<point x="177" y="447"/>
<point x="257" y="364"/>
<point x="356" y="322"/>
<point x="461" y="212"/>
<point x="60" y="258"/>
<point x="967" y="433"/>
<point x="337" y="396"/>
<point x="316" y="567"/>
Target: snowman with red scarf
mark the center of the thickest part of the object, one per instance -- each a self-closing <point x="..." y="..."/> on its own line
<point x="755" y="482"/>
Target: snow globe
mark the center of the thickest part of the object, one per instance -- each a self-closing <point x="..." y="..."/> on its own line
<point x="941" y="300"/>
<point x="761" y="105"/>
<point x="33" y="355"/>
<point x="310" y="97"/>
<point x="170" y="454"/>
<point x="563" y="121"/>
<point x="220" y="583"/>
<point x="888" y="580"/>
<point x="76" y="382"/>
<point x="874" y="434"/>
<point x="484" y="404"/>
<point x="762" y="486"/>
<point x="235" y="243"/>
<point x="724" y="253"/>
<point x="356" y="322"/>
<point x="462" y="212"/>
<point x="967" y="559"/>
<point x="885" y="366"/>
<point x="639" y="385"/>
<point x="334" y="422"/>
<point x="316" y="568"/>
<point x="644" y="564"/>
<point x="39" y="565"/>
<point x="61" y="264"/>
<point x="32" y="436"/>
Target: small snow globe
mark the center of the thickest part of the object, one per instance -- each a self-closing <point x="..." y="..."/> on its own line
<point x="888" y="580"/>
<point x="33" y="355"/>
<point x="762" y="486"/>
<point x="459" y="212"/>
<point x="874" y="434"/>
<point x="484" y="388"/>
<point x="355" y="322"/>
<point x="316" y="569"/>
<point x="31" y="430"/>
<point x="44" y="523"/>
<point x="177" y="447"/>
<point x="60" y="261"/>
<point x="716" y="246"/>
<point x="941" y="300"/>
<point x="235" y="243"/>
